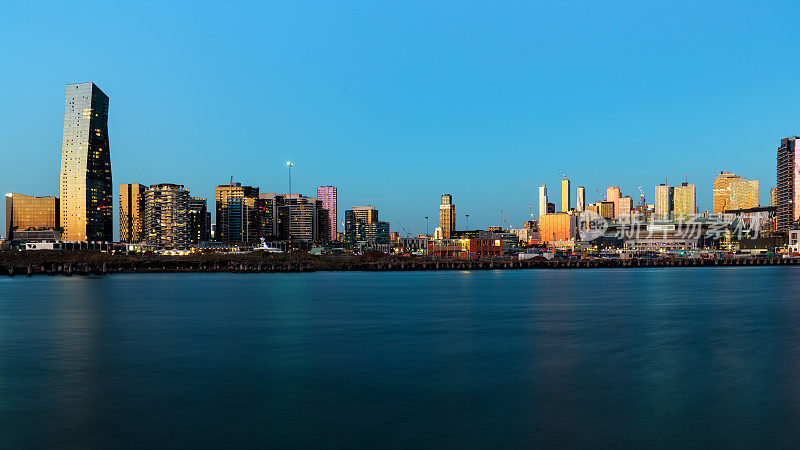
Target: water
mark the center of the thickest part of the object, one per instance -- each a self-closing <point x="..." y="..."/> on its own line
<point x="693" y="357"/>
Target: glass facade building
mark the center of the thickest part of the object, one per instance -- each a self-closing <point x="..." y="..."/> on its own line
<point x="131" y="213"/>
<point x="238" y="217"/>
<point x="24" y="213"/>
<point x="85" y="183"/>
<point x="788" y="187"/>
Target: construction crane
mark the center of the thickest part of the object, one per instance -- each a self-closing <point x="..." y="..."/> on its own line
<point x="505" y="222"/>
<point x="642" y="191"/>
<point x="562" y="173"/>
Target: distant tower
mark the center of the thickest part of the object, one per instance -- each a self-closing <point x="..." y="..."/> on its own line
<point x="613" y="195"/>
<point x="565" y="193"/>
<point x="447" y="216"/>
<point x="663" y="201"/>
<point x="328" y="196"/>
<point x="581" y="199"/>
<point x="85" y="184"/>
<point x="542" y="200"/>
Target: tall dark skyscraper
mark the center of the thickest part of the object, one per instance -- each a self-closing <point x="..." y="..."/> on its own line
<point x="86" y="189"/>
<point x="788" y="191"/>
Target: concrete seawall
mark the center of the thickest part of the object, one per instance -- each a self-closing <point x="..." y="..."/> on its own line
<point x="72" y="268"/>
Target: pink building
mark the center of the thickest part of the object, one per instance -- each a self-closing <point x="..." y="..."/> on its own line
<point x="328" y="196"/>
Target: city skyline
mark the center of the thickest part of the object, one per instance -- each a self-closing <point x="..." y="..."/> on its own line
<point x="495" y="96"/>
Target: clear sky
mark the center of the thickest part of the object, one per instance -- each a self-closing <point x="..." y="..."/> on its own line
<point x="398" y="103"/>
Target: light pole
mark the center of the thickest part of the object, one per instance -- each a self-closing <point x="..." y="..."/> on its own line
<point x="290" y="164"/>
<point x="426" y="226"/>
<point x="467" y="216"/>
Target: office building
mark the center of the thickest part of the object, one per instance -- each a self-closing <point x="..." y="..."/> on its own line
<point x="607" y="209"/>
<point x="167" y="216"/>
<point x="565" y="195"/>
<point x="199" y="220"/>
<point x="558" y="227"/>
<point x="85" y="183"/>
<point x="625" y="207"/>
<point x="613" y="194"/>
<point x="131" y="213"/>
<point x="328" y="196"/>
<point x="788" y="189"/>
<point x="237" y="217"/>
<point x="663" y="199"/>
<point x="364" y="230"/>
<point x="293" y="217"/>
<point x="773" y="197"/>
<point x="581" y="199"/>
<point x="733" y="192"/>
<point x="543" y="200"/>
<point x="684" y="201"/>
<point x="27" y="213"/>
<point x="447" y="215"/>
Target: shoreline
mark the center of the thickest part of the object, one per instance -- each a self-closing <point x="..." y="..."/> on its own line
<point x="69" y="268"/>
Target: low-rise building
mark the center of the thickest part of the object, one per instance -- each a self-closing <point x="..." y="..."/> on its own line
<point x="465" y="248"/>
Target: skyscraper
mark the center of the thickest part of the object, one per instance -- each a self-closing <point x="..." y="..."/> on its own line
<point x="733" y="192"/>
<point x="565" y="194"/>
<point x="131" y="213"/>
<point x="362" y="228"/>
<point x="612" y="195"/>
<point x="663" y="202"/>
<point x="199" y="220"/>
<point x="788" y="189"/>
<point x="167" y="216"/>
<point x="542" y="200"/>
<point x="238" y="218"/>
<point x="85" y="183"/>
<point x="581" y="199"/>
<point x="624" y="206"/>
<point x="773" y="197"/>
<point x="447" y="216"/>
<point x="684" y="201"/>
<point x="327" y="194"/>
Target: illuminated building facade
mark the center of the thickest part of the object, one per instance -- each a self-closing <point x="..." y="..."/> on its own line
<point x="684" y="201"/>
<point x="199" y="220"/>
<point x="612" y="195"/>
<point x="466" y="248"/>
<point x="85" y="183"/>
<point x="167" y="216"/>
<point x="581" y="199"/>
<point x="663" y="202"/>
<point x="328" y="196"/>
<point x="565" y="195"/>
<point x="447" y="216"/>
<point x="131" y="213"/>
<point x="543" y="200"/>
<point x="362" y="228"/>
<point x="237" y="216"/>
<point x="558" y="227"/>
<point x="733" y="192"/>
<point x="788" y="188"/>
<point x="27" y="213"/>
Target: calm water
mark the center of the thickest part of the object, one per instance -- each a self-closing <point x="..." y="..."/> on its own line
<point x="507" y="359"/>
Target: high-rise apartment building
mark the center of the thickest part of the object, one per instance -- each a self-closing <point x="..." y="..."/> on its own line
<point x="565" y="195"/>
<point x="362" y="227"/>
<point x="328" y="196"/>
<point x="131" y="213"/>
<point x="663" y="202"/>
<point x="26" y="213"/>
<point x="773" y="197"/>
<point x="237" y="216"/>
<point x="447" y="216"/>
<point x="293" y="217"/>
<point x="167" y="216"/>
<point x="199" y="220"/>
<point x="613" y="194"/>
<point x="85" y="183"/>
<point x="733" y="192"/>
<point x="542" y="200"/>
<point x="581" y="199"/>
<point x="684" y="201"/>
<point x="788" y="188"/>
<point x="623" y="207"/>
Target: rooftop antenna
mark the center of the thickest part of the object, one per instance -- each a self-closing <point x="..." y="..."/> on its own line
<point x="231" y="183"/>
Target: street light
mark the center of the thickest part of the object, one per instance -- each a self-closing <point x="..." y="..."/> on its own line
<point x="467" y="215"/>
<point x="426" y="226"/>
<point x="290" y="164"/>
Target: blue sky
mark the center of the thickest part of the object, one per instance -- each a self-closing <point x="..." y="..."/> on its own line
<point x="398" y="103"/>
